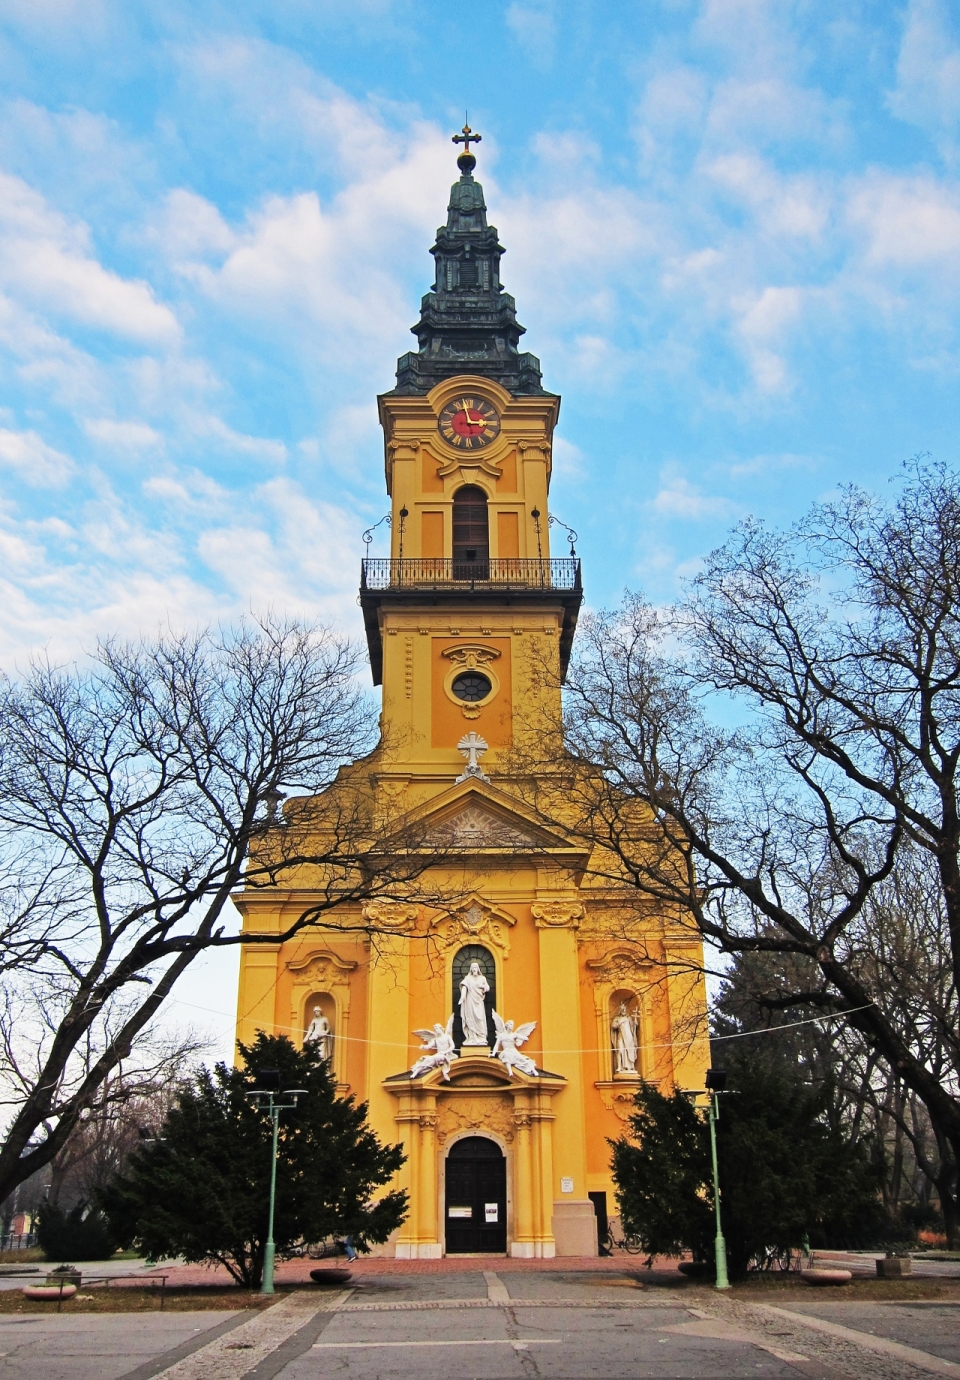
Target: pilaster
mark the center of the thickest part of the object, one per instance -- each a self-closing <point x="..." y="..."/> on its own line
<point x="256" y="998"/>
<point x="557" y="919"/>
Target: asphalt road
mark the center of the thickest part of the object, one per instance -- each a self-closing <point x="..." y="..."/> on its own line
<point x="96" y="1346"/>
<point x="477" y="1326"/>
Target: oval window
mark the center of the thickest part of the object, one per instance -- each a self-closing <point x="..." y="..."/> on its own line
<point x="471" y="687"/>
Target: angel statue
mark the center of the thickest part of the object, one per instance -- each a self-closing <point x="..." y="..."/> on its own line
<point x="506" y="1047"/>
<point x="439" y="1042"/>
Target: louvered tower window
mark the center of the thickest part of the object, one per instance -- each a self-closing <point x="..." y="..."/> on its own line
<point x="471" y="534"/>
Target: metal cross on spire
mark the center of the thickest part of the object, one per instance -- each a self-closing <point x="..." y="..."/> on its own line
<point x="467" y="161"/>
<point x="467" y="138"/>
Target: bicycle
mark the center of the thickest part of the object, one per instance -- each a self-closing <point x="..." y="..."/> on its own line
<point x="314" y="1250"/>
<point x="629" y="1242"/>
<point x="775" y="1259"/>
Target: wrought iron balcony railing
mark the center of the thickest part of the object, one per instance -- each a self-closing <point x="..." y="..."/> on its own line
<point x="494" y="573"/>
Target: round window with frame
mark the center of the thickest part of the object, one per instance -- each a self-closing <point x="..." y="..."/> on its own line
<point x="471" y="687"/>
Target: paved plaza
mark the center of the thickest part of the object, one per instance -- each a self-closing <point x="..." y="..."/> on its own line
<point x="560" y="1324"/>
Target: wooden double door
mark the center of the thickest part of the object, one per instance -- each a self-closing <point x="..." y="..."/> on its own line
<point x="476" y="1198"/>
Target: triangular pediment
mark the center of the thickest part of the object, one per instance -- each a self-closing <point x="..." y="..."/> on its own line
<point x="476" y="817"/>
<point x="474" y="826"/>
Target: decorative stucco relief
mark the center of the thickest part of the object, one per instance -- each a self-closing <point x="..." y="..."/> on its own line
<point x="390" y="915"/>
<point x="319" y="969"/>
<point x="475" y="1114"/>
<point x="557" y="914"/>
<point x="618" y="1099"/>
<point x="620" y="966"/>
<point x="474" y="923"/>
<point x="478" y="828"/>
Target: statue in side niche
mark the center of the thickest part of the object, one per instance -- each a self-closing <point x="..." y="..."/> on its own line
<point x="624" y="1028"/>
<point x="473" y="1013"/>
<point x="440" y="1048"/>
<point x="507" y="1045"/>
<point x="319" y="1034"/>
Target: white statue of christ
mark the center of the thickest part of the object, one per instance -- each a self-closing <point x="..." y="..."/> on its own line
<point x="473" y="1013"/>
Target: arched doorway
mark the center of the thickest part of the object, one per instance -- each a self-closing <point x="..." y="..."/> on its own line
<point x="474" y="953"/>
<point x="471" y="534"/>
<point x="476" y="1198"/>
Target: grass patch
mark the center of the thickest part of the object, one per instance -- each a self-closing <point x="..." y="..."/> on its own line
<point x="125" y="1298"/>
<point x="31" y="1256"/>
<point x="861" y="1289"/>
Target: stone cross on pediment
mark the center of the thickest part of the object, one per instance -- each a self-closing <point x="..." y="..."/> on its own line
<point x="473" y="747"/>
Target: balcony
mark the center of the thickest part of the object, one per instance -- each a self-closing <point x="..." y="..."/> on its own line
<point x="444" y="575"/>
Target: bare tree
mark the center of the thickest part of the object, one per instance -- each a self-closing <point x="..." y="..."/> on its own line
<point x="135" y="795"/>
<point x="900" y="949"/>
<point x="756" y="760"/>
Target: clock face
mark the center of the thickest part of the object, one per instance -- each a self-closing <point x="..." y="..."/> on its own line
<point x="469" y="423"/>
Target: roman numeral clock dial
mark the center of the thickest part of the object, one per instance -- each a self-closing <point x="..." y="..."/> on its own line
<point x="469" y="423"/>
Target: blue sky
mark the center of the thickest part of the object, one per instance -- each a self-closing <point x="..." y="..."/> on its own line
<point x="732" y="230"/>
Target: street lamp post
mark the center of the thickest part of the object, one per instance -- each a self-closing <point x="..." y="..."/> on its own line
<point x="270" y="1099"/>
<point x="716" y="1083"/>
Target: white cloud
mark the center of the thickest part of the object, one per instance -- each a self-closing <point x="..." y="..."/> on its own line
<point x="261" y="446"/>
<point x="193" y="489"/>
<point x="36" y="463"/>
<point x="46" y="260"/>
<point x="907" y="221"/>
<point x="678" y="498"/>
<point x="796" y="205"/>
<point x="190" y="227"/>
<point x="122" y="435"/>
<point x="928" y="72"/>
<point x="532" y="26"/>
<point x="301" y="555"/>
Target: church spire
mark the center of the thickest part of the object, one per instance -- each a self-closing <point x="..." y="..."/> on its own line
<point x="468" y="324"/>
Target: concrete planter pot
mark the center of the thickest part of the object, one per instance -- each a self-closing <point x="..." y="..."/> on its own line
<point x="826" y="1277"/>
<point x="49" y="1293"/>
<point x="330" y="1276"/>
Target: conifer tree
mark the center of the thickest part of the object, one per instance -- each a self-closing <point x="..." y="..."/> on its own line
<point x="200" y="1188"/>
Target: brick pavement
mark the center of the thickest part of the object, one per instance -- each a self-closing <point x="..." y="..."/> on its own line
<point x="298" y="1271"/>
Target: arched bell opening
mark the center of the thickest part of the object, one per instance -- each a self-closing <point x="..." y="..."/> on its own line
<point x="463" y="960"/>
<point x="471" y="534"/>
<point x="475" y="1195"/>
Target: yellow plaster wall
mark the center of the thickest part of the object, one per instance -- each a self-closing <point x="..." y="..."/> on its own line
<point x="494" y="721"/>
<point x="402" y="982"/>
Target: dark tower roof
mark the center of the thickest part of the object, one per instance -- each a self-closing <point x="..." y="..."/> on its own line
<point x="468" y="324"/>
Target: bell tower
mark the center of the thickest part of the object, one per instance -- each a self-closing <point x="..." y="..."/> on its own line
<point x="470" y="598"/>
<point x="513" y="938"/>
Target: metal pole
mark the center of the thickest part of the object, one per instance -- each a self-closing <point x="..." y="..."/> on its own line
<point x="269" y="1251"/>
<point x="720" y="1246"/>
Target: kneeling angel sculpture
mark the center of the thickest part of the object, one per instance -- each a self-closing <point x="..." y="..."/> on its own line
<point x="439" y="1042"/>
<point x="506" y="1047"/>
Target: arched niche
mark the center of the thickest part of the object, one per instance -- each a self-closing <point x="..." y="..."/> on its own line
<point x="473" y="953"/>
<point x="325" y="975"/>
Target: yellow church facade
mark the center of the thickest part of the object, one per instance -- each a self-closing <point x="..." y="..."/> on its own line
<point x="469" y="625"/>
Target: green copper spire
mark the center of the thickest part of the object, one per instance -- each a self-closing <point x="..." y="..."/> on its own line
<point x="468" y="324"/>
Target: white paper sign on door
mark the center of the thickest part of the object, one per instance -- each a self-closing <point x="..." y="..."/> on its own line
<point x="459" y="1212"/>
<point x="492" y="1212"/>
